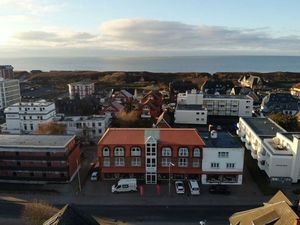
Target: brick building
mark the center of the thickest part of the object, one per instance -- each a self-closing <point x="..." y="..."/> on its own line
<point x="38" y="158"/>
<point x="148" y="153"/>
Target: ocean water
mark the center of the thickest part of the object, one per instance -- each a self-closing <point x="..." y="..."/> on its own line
<point x="210" y="64"/>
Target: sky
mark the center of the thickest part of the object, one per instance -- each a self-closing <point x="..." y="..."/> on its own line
<point x="149" y="27"/>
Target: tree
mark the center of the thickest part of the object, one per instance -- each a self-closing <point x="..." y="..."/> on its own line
<point x="288" y="122"/>
<point x="37" y="212"/>
<point x="52" y="128"/>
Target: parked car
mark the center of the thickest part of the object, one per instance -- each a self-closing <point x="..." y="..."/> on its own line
<point x="94" y="176"/>
<point x="179" y="186"/>
<point x="194" y="187"/>
<point x="219" y="189"/>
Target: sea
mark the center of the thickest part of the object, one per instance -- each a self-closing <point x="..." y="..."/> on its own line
<point x="210" y="64"/>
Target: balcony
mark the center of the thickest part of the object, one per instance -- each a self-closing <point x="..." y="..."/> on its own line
<point x="248" y="146"/>
<point x="254" y="154"/>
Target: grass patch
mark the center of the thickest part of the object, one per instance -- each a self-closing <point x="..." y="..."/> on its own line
<point x="259" y="176"/>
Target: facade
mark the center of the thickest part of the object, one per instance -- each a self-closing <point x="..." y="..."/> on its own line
<point x="122" y="97"/>
<point x="6" y="72"/>
<point x="24" y="117"/>
<point x="283" y="103"/>
<point x="9" y="92"/>
<point x="223" y="159"/>
<point x="254" y="82"/>
<point x="113" y="108"/>
<point x="276" y="150"/>
<point x="149" y="153"/>
<point x="89" y="128"/>
<point x="151" y="105"/>
<point x="38" y="158"/>
<point x="193" y="107"/>
<point x="81" y="89"/>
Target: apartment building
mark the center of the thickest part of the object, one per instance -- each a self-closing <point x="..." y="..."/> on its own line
<point x="193" y="107"/>
<point x="24" y="117"/>
<point x="6" y="72"/>
<point x="276" y="150"/>
<point x="223" y="159"/>
<point x="9" y="92"/>
<point x="38" y="158"/>
<point x="150" y="154"/>
<point x="88" y="128"/>
<point x="81" y="89"/>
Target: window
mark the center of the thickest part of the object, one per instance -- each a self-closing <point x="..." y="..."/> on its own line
<point x="18" y="163"/>
<point x="165" y="162"/>
<point x="135" y="151"/>
<point x="196" y="163"/>
<point x="100" y="131"/>
<point x="197" y="113"/>
<point x="105" y="151"/>
<point x="106" y="162"/>
<point x="49" y="164"/>
<point x="183" y="152"/>
<point x="93" y="124"/>
<point x="119" y="151"/>
<point x="119" y="161"/>
<point x="166" y="151"/>
<point x="136" y="161"/>
<point x="182" y="162"/>
<point x="31" y="126"/>
<point x="223" y="154"/>
<point x="230" y="165"/>
<point x="25" y="126"/>
<point x="151" y="162"/>
<point x="214" y="165"/>
<point x="99" y="124"/>
<point x="196" y="152"/>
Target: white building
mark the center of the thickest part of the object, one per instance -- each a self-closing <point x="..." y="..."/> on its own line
<point x="90" y="128"/>
<point x="6" y="72"/>
<point x="193" y="107"/>
<point x="9" y="92"/>
<point x="81" y="89"/>
<point x="24" y="117"/>
<point x="223" y="159"/>
<point x="277" y="151"/>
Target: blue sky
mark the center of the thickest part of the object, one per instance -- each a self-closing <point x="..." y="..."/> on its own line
<point x="156" y="27"/>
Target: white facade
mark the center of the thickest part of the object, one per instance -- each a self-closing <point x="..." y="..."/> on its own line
<point x="90" y="128"/>
<point x="6" y="71"/>
<point x="223" y="160"/>
<point x="82" y="89"/>
<point x="277" y="151"/>
<point x="9" y="92"/>
<point x="193" y="107"/>
<point x="25" y="117"/>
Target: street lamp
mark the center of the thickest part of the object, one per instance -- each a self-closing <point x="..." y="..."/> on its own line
<point x="170" y="164"/>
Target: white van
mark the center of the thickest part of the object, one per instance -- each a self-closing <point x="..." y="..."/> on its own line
<point x="194" y="187"/>
<point x="124" y="185"/>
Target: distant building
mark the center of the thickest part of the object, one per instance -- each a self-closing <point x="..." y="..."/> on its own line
<point x="283" y="103"/>
<point x="276" y="150"/>
<point x="9" y="92"/>
<point x="38" y="158"/>
<point x="147" y="153"/>
<point x="81" y="89"/>
<point x="6" y="72"/>
<point x="246" y="91"/>
<point x="277" y="211"/>
<point x="254" y="82"/>
<point x="24" y="117"/>
<point x="193" y="107"/>
<point x="88" y="128"/>
<point x="122" y="97"/>
<point x="151" y="105"/>
<point x="223" y="159"/>
<point x="295" y="90"/>
<point x="179" y="86"/>
<point x="113" y="108"/>
<point x="214" y="86"/>
<point x="163" y="121"/>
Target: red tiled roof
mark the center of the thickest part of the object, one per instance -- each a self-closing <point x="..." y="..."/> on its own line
<point x="136" y="136"/>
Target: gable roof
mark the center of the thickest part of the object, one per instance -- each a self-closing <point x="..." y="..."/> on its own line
<point x="162" y="121"/>
<point x="136" y="136"/>
<point x="70" y="215"/>
<point x="279" y="197"/>
<point x="126" y="93"/>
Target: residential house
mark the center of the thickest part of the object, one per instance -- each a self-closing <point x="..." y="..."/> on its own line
<point x="38" y="158"/>
<point x="254" y="82"/>
<point x="81" y="89"/>
<point x="295" y="90"/>
<point x="246" y="91"/>
<point x="113" y="108"/>
<point x="179" y="86"/>
<point x="122" y="96"/>
<point x="213" y="86"/>
<point x="163" y="121"/>
<point x="151" y="105"/>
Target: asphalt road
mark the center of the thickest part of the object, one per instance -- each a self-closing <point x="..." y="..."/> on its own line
<point x="144" y="215"/>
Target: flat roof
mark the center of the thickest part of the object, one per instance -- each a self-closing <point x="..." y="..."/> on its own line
<point x="263" y="126"/>
<point x="290" y="135"/>
<point x="47" y="141"/>
<point x="227" y="96"/>
<point x="189" y="107"/>
<point x="224" y="140"/>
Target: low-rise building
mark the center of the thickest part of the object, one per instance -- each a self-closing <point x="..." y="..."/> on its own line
<point x="217" y="86"/>
<point x="24" y="117"/>
<point x="38" y="158"/>
<point x="254" y="82"/>
<point x="276" y="150"/>
<point x="88" y="128"/>
<point x="223" y="159"/>
<point x="150" y="154"/>
<point x="295" y="90"/>
<point x="81" y="89"/>
<point x="6" y="72"/>
<point x="9" y="92"/>
<point x="122" y="96"/>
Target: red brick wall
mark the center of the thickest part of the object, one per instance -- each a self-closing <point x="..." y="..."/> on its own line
<point x="72" y="160"/>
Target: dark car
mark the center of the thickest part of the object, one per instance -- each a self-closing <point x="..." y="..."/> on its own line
<point x="219" y="189"/>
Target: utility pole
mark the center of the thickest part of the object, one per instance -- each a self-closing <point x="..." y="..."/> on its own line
<point x="170" y="164"/>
